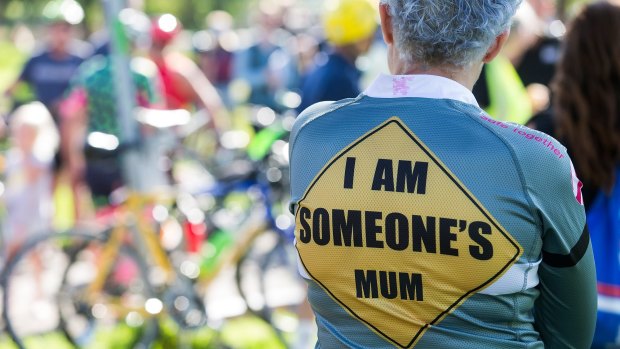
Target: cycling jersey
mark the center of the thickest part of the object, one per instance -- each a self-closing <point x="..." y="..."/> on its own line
<point x="423" y="222"/>
<point x="93" y="87"/>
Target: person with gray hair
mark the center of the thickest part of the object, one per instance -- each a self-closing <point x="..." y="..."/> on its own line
<point x="423" y="222"/>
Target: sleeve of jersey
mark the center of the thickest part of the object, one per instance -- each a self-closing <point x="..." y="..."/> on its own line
<point x="565" y="311"/>
<point x="299" y="161"/>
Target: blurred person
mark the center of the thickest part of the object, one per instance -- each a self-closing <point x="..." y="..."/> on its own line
<point x="265" y="66"/>
<point x="349" y="26"/>
<point x="90" y="117"/>
<point x="545" y="9"/>
<point x="33" y="141"/>
<point x="215" y="61"/>
<point x="49" y="70"/>
<point x="536" y="65"/>
<point x="500" y="90"/>
<point x="307" y="51"/>
<point x="184" y="84"/>
<point x="588" y="63"/>
<point x="423" y="222"/>
<point x="214" y="47"/>
<point x="586" y="117"/>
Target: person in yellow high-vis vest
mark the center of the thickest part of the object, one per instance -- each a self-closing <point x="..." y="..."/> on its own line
<point x="509" y="100"/>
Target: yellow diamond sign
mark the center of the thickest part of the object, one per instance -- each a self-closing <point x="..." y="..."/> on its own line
<point x="394" y="237"/>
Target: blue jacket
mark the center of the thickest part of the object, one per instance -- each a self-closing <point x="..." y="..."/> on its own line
<point x="335" y="80"/>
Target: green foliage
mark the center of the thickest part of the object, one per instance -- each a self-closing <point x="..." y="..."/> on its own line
<point x="191" y="12"/>
<point x="241" y="333"/>
<point x="250" y="333"/>
<point x="11" y="61"/>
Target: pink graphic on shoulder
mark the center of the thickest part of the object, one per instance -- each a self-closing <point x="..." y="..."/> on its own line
<point x="528" y="134"/>
<point x="400" y="85"/>
<point x="577" y="185"/>
<point x="492" y="121"/>
<point x="538" y="137"/>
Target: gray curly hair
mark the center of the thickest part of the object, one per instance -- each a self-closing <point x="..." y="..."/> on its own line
<point x="448" y="32"/>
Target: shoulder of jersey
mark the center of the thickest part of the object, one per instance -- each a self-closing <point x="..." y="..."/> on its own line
<point x="526" y="142"/>
<point x="317" y="110"/>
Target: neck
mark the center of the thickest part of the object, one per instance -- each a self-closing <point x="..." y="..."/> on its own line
<point x="466" y="76"/>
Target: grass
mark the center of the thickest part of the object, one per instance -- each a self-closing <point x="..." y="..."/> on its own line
<point x="240" y="333"/>
<point x="49" y="341"/>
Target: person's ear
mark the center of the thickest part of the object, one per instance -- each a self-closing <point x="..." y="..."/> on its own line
<point x="386" y="23"/>
<point x="496" y="47"/>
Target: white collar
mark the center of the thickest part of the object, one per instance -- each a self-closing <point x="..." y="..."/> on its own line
<point x="424" y="86"/>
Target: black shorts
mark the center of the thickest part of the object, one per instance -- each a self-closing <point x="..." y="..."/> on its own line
<point x="103" y="176"/>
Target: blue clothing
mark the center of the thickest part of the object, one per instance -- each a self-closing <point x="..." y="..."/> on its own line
<point x="335" y="80"/>
<point x="422" y="222"/>
<point x="49" y="76"/>
<point x="252" y="66"/>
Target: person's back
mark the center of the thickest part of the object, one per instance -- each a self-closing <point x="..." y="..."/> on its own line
<point x="423" y="222"/>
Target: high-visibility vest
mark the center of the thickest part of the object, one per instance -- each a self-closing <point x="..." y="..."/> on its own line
<point x="508" y="97"/>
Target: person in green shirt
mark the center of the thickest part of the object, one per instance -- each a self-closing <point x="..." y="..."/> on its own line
<point x="90" y="119"/>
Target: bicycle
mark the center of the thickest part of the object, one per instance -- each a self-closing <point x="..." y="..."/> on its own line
<point x="264" y="255"/>
<point x="68" y="248"/>
<point x="168" y="285"/>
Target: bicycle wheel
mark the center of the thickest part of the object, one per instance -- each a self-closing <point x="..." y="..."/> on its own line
<point x="119" y="314"/>
<point x="267" y="279"/>
<point x="31" y="280"/>
<point x="185" y="323"/>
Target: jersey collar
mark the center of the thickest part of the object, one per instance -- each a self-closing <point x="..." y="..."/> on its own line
<point x="424" y="86"/>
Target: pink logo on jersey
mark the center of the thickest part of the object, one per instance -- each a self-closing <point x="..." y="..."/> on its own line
<point x="400" y="85"/>
<point x="577" y="185"/>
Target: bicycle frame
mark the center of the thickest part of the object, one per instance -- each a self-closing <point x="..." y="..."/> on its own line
<point x="260" y="220"/>
<point x="131" y="214"/>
